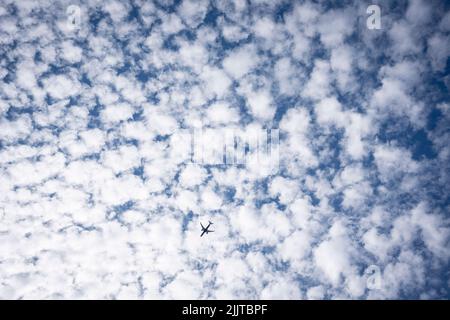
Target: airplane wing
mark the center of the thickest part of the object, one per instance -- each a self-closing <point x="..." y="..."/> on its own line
<point x="202" y="226"/>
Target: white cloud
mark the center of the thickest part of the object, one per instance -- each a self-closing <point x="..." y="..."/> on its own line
<point x="13" y="130"/>
<point x="241" y="61"/>
<point x="318" y="86"/>
<point x="117" y="112"/>
<point x="334" y="256"/>
<point x="221" y="113"/>
<point x="95" y="152"/>
<point x="70" y="52"/>
<point x="171" y="23"/>
<point x="264" y="28"/>
<point x="122" y="159"/>
<point x="285" y="189"/>
<point x="210" y="199"/>
<point x="159" y="122"/>
<point x="216" y="81"/>
<point x="193" y="175"/>
<point x="61" y="87"/>
<point x="329" y="112"/>
<point x="438" y="50"/>
<point x="287" y="76"/>
<point x="192" y="12"/>
<point x="334" y="34"/>
<point x="281" y="290"/>
<point x="391" y="160"/>
<point x="296" y="246"/>
<point x="316" y="293"/>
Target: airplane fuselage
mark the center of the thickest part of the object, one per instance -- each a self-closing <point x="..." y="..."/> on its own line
<point x="206" y="230"/>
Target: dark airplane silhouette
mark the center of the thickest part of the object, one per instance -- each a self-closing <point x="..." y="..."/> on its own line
<point x="206" y="230"/>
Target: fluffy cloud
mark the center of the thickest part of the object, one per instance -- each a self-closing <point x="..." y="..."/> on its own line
<point x="101" y="182"/>
<point x="241" y="61"/>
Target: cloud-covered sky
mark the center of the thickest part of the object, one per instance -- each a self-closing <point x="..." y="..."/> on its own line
<point x="97" y="200"/>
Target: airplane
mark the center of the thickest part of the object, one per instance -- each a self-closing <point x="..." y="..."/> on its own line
<point x="206" y="230"/>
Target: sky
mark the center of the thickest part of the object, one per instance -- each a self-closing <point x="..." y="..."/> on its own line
<point x="108" y="110"/>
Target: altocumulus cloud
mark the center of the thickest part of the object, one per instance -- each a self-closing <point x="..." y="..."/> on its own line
<point x="97" y="201"/>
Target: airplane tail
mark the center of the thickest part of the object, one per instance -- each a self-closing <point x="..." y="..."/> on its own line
<point x="210" y="222"/>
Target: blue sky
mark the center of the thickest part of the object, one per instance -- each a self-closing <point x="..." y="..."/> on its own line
<point x="101" y="103"/>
